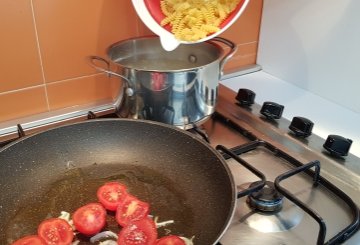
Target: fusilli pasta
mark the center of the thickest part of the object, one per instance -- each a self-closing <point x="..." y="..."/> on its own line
<point x="191" y="20"/>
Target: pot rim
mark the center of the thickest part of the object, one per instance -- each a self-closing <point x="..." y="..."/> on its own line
<point x="150" y="37"/>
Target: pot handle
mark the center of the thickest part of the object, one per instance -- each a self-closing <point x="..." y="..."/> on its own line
<point x="126" y="88"/>
<point x="233" y="49"/>
<point x="94" y="58"/>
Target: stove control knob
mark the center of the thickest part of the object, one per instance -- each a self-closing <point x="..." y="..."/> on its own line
<point x="272" y="110"/>
<point x="245" y="97"/>
<point x="337" y="145"/>
<point x="301" y="126"/>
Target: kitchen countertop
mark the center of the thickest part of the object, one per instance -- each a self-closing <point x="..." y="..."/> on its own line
<point x="328" y="117"/>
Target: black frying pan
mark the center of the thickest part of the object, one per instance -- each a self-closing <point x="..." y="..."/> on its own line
<point x="181" y="177"/>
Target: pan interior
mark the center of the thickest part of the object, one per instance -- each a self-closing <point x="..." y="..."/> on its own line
<point x="58" y="170"/>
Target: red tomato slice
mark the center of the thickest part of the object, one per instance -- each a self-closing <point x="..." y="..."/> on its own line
<point x="130" y="210"/>
<point x="170" y="240"/>
<point x="29" y="240"/>
<point x="142" y="232"/>
<point x="111" y="194"/>
<point x="56" y="231"/>
<point x="90" y="219"/>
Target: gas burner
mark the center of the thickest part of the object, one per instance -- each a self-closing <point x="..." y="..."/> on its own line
<point x="268" y="199"/>
<point x="248" y="221"/>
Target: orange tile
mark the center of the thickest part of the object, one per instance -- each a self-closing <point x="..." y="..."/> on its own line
<point x="19" y="63"/>
<point x="247" y="48"/>
<point x="143" y="30"/>
<point x="243" y="49"/>
<point x="240" y="61"/>
<point x="22" y="103"/>
<point x="82" y="91"/>
<point x="246" y="28"/>
<point x="245" y="55"/>
<point x="69" y="31"/>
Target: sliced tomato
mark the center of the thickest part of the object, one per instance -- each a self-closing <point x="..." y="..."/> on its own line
<point x="29" y="240"/>
<point x="90" y="219"/>
<point x="111" y="194"/>
<point x="141" y="232"/>
<point x="55" y="231"/>
<point x="130" y="210"/>
<point x="170" y="240"/>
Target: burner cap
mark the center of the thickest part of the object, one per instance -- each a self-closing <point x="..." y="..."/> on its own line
<point x="268" y="199"/>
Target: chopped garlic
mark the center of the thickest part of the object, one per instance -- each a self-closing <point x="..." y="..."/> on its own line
<point x="187" y="240"/>
<point x="65" y="216"/>
<point x="164" y="223"/>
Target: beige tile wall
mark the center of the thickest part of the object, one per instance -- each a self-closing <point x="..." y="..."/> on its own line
<point x="44" y="45"/>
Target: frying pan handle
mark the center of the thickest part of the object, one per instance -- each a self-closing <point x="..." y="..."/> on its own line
<point x="126" y="88"/>
<point x="233" y="49"/>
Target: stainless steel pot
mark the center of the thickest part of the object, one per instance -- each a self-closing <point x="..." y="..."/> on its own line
<point x="176" y="87"/>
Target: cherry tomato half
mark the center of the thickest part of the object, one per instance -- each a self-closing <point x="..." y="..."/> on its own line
<point x="170" y="240"/>
<point x="90" y="219"/>
<point x="111" y="194"/>
<point x="29" y="240"/>
<point x="56" y="231"/>
<point x="130" y="210"/>
<point x="142" y="232"/>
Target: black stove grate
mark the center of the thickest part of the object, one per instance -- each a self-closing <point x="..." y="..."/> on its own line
<point x="298" y="167"/>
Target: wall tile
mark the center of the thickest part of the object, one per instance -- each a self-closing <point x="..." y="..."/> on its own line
<point x="246" y="28"/>
<point x="22" y="103"/>
<point x="240" y="61"/>
<point x="245" y="55"/>
<point x="69" y="31"/>
<point x="81" y="91"/>
<point x="142" y="28"/>
<point x="19" y="63"/>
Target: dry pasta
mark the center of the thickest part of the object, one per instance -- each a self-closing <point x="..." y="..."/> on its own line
<point x="191" y="20"/>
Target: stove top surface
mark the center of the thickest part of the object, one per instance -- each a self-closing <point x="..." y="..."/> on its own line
<point x="270" y="147"/>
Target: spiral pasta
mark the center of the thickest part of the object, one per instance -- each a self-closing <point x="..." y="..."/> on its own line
<point x="191" y="20"/>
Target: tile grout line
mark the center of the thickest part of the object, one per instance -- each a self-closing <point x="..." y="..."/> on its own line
<point x="73" y="78"/>
<point x="21" y="89"/>
<point x="41" y="85"/>
<point x="40" y="57"/>
<point x="243" y="44"/>
<point x="245" y="55"/>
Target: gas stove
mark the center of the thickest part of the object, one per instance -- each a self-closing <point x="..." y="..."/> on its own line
<point x="293" y="188"/>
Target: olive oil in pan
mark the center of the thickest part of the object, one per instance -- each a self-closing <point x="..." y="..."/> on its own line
<point x="78" y="187"/>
